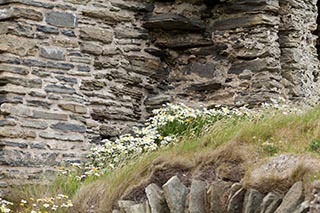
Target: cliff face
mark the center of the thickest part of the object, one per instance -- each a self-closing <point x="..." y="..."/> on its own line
<point x="73" y="72"/>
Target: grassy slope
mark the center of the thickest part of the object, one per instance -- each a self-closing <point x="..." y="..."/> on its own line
<point x="228" y="147"/>
<point x="226" y="143"/>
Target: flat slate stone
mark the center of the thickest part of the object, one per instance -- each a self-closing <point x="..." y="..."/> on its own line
<point x="54" y="53"/>
<point x="304" y="207"/>
<point x="270" y="203"/>
<point x="252" y="201"/>
<point x="61" y="136"/>
<point x="74" y="108"/>
<point x="125" y="205"/>
<point x="69" y="127"/>
<point x="175" y="193"/>
<point x="59" y="89"/>
<point x="14" y="69"/>
<point x="292" y="199"/>
<point x="36" y="124"/>
<point x="236" y="202"/>
<point x="139" y="208"/>
<point x="47" y="29"/>
<point x="198" y="192"/>
<point x="61" y="19"/>
<point x="107" y="16"/>
<point x="49" y="115"/>
<point x="172" y="22"/>
<point x="244" y="22"/>
<point x="29" y="2"/>
<point x="218" y="194"/>
<point x="96" y="34"/>
<point x="212" y="85"/>
<point x="156" y="199"/>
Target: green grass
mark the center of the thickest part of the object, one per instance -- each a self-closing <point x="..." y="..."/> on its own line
<point x="229" y="139"/>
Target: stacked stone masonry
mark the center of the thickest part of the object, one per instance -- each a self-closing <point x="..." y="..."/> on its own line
<point x="73" y="72"/>
<point x="219" y="197"/>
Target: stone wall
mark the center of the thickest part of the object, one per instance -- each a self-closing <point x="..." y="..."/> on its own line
<point x="73" y="72"/>
<point x="236" y="52"/>
<point x="219" y="196"/>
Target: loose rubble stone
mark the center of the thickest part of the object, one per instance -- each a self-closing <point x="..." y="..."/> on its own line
<point x="175" y="194"/>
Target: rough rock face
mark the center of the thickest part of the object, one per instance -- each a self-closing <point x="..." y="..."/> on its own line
<point x="236" y="52"/>
<point x="74" y="72"/>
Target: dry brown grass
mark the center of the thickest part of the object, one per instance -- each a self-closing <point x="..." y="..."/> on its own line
<point x="229" y="151"/>
<point x="130" y="184"/>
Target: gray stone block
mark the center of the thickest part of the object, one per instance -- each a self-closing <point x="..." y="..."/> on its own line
<point x="54" y="53"/>
<point x="270" y="203"/>
<point x="292" y="199"/>
<point x="69" y="127"/>
<point x="175" y="194"/>
<point x="198" y="197"/>
<point x="156" y="199"/>
<point x="61" y="19"/>
<point x="252" y="201"/>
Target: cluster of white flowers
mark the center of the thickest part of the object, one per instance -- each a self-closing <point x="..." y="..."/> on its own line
<point x="4" y="206"/>
<point x="160" y="130"/>
<point x="47" y="204"/>
<point x="284" y="107"/>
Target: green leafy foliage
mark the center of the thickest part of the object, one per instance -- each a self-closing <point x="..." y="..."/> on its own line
<point x="314" y="146"/>
<point x="163" y="129"/>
